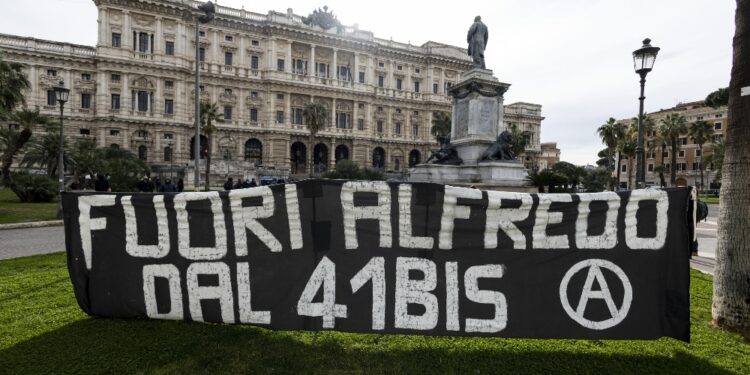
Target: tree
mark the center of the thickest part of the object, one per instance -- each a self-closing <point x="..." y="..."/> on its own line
<point x="315" y="116"/>
<point x="349" y="170"/>
<point x="672" y="127"/>
<point x="441" y="126"/>
<point x="731" y="298"/>
<point x="44" y="152"/>
<point x="606" y="160"/>
<point x="12" y="83"/>
<point x="545" y="178"/>
<point x="718" y="98"/>
<point x="716" y="159"/>
<point x="27" y="119"/>
<point x="596" y="180"/>
<point x="122" y="166"/>
<point x="700" y="132"/>
<point x="611" y="133"/>
<point x="518" y="140"/>
<point x="209" y="114"/>
<point x="572" y="174"/>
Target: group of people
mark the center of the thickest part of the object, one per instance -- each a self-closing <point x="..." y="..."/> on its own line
<point x="147" y="185"/>
<point x="230" y="184"/>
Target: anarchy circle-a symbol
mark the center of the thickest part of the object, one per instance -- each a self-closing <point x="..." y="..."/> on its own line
<point x="595" y="273"/>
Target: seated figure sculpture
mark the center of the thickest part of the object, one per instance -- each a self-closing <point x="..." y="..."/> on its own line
<point x="501" y="149"/>
<point x="445" y="155"/>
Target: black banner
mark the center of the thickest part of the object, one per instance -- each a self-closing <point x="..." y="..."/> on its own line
<point x="361" y="256"/>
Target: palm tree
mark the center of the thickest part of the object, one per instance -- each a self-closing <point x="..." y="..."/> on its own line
<point x="518" y="141"/>
<point x="610" y="133"/>
<point x="672" y="127"/>
<point x="209" y="114"/>
<point x="27" y="119"/>
<point x="716" y="159"/>
<point x="315" y="116"/>
<point x="700" y="132"/>
<point x="627" y="146"/>
<point x="12" y="83"/>
<point x="441" y="126"/>
<point x="44" y="151"/>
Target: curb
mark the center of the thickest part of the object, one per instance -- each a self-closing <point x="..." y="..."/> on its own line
<point x="33" y="224"/>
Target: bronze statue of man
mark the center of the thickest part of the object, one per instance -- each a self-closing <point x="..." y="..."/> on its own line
<point x="477" y="40"/>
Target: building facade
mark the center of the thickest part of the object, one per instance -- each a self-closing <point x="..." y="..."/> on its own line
<point x="550" y="155"/>
<point x="689" y="154"/>
<point x="135" y="89"/>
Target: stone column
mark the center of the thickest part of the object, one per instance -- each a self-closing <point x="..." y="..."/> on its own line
<point x="159" y="37"/>
<point x="127" y="33"/>
<point x="103" y="27"/>
<point x="355" y="112"/>
<point x="288" y="62"/>
<point x="355" y="71"/>
<point x="288" y="107"/>
<point x="333" y="113"/>
<point x="335" y="64"/>
<point x="271" y="50"/>
<point x="314" y="71"/>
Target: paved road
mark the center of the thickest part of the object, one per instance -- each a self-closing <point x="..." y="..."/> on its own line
<point x="707" y="233"/>
<point x="16" y="243"/>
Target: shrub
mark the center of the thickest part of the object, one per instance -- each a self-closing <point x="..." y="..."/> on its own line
<point x="33" y="187"/>
<point x="349" y="170"/>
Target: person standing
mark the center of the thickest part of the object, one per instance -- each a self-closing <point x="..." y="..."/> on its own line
<point x="180" y="186"/>
<point x="229" y="184"/>
<point x="101" y="183"/>
<point x="168" y="187"/>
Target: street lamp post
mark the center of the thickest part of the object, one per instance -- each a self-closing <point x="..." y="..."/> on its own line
<point x="171" y="160"/>
<point x="209" y="11"/>
<point x="61" y="93"/>
<point x="643" y="61"/>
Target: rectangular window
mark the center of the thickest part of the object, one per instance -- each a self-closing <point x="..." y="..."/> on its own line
<point x="168" y="153"/>
<point x="397" y="128"/>
<point x="84" y="131"/>
<point x="228" y="58"/>
<point x="361" y="77"/>
<point x="381" y="65"/>
<point x="85" y="101"/>
<point x="415" y="131"/>
<point x="253" y="62"/>
<point x="143" y="42"/>
<point x="361" y="124"/>
<point x="322" y="70"/>
<point x="448" y="86"/>
<point x="280" y="65"/>
<point x="683" y="141"/>
<point x="297" y="117"/>
<point x="201" y="54"/>
<point x="85" y="76"/>
<point x="255" y="43"/>
<point x="717" y="126"/>
<point x="253" y="115"/>
<point x="399" y="67"/>
<point x="695" y="166"/>
<point x="227" y="92"/>
<point x="666" y="167"/>
<point x="167" y="135"/>
<point x="650" y="167"/>
<point x="698" y="152"/>
<point x="279" y="96"/>
<point x="227" y="112"/>
<point x="623" y="168"/>
<point x="700" y="118"/>
<point x="718" y="115"/>
<point x="380" y="126"/>
<point x="416" y="86"/>
<point x="169" y="84"/>
<point x="168" y="106"/>
<point x="51" y="97"/>
<point x="114" y="77"/>
<point x="51" y="73"/>
<point x="681" y="154"/>
<point x="342" y="120"/>
<point x="142" y="101"/>
<point x="228" y="38"/>
<point x="434" y="88"/>
<point x="398" y="83"/>
<point x="169" y="48"/>
<point x="683" y="166"/>
<point x="381" y="79"/>
<point x="254" y="94"/>
<point x="201" y="33"/>
<point x="116" y="38"/>
<point x="279" y="117"/>
<point x="115" y="101"/>
<point x="114" y="132"/>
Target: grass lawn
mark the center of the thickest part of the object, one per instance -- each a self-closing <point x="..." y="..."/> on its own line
<point x="709" y="199"/>
<point x="44" y="331"/>
<point x="13" y="211"/>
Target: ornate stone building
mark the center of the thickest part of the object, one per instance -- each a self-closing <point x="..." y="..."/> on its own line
<point x="135" y="88"/>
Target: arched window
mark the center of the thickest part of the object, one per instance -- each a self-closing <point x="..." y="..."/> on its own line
<point x="204" y="147"/>
<point x="378" y="158"/>
<point x="168" y="153"/>
<point x="342" y="153"/>
<point x="414" y="158"/>
<point x="320" y="155"/>
<point x="254" y="151"/>
<point x="298" y="157"/>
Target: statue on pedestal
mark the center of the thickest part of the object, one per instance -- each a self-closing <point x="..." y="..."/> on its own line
<point x="477" y="40"/>
<point x="501" y="149"/>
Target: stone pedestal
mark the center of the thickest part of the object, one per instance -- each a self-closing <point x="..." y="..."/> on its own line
<point x="477" y="121"/>
<point x="477" y="113"/>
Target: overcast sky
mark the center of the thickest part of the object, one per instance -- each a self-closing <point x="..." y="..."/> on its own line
<point x="573" y="57"/>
